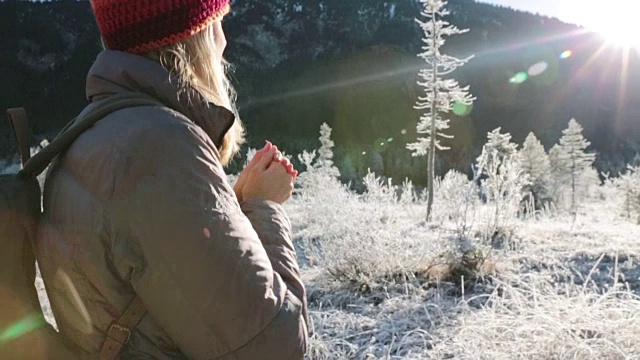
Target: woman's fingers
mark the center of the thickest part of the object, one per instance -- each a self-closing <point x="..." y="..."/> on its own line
<point x="285" y="164"/>
<point x="270" y="151"/>
<point x="265" y="160"/>
<point x="290" y="169"/>
<point x="277" y="157"/>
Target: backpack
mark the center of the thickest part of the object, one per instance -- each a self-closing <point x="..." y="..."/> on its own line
<point x="24" y="332"/>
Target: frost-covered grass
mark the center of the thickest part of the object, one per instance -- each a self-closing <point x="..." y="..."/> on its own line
<point x="384" y="284"/>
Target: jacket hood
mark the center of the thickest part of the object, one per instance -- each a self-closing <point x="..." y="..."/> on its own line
<point x="116" y="72"/>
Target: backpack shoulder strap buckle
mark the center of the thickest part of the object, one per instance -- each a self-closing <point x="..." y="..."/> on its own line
<point x="119" y="332"/>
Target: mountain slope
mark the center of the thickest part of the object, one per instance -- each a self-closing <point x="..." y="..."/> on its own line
<point x="353" y="65"/>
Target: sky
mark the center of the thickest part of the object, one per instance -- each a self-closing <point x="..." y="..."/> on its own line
<point x="616" y="19"/>
<point x="582" y="12"/>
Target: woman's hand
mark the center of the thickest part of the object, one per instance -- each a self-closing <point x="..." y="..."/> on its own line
<point x="242" y="179"/>
<point x="268" y="179"/>
<point x="261" y="157"/>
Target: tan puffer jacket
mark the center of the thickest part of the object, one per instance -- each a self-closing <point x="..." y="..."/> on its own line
<point x="140" y="204"/>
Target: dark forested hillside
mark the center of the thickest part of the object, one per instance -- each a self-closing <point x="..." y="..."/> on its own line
<point x="353" y="65"/>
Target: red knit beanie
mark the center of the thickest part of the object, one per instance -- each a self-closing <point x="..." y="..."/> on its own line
<point x="139" y="26"/>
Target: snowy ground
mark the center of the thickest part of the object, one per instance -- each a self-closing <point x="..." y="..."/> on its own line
<point x="384" y="284"/>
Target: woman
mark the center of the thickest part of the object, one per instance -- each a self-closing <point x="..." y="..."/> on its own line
<point x="140" y="205"/>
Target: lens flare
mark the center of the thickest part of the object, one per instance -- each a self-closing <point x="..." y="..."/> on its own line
<point x="538" y="68"/>
<point x="519" y="78"/>
<point x="22" y="327"/>
<point x="461" y="109"/>
<point x="567" y="54"/>
<point x="380" y="145"/>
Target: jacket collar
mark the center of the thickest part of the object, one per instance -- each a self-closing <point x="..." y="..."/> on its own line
<point x="116" y="72"/>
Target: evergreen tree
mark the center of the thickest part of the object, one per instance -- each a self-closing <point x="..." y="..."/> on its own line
<point x="441" y="95"/>
<point x="571" y="159"/>
<point x="320" y="171"/>
<point x="324" y="162"/>
<point x="629" y="186"/>
<point x="535" y="162"/>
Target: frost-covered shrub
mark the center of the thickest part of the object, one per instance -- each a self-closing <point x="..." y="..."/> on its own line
<point x="319" y="173"/>
<point x="378" y="189"/>
<point x="362" y="238"/>
<point x="359" y="238"/>
<point x="407" y="193"/>
<point x="10" y="168"/>
<point x="503" y="183"/>
<point x="457" y="202"/>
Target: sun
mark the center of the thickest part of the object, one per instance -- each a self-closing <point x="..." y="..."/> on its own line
<point x="619" y="35"/>
<point x="615" y="20"/>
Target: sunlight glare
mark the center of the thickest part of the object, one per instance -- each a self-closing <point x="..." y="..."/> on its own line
<point x="615" y="20"/>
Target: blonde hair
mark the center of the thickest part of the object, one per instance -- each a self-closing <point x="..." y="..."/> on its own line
<point x="197" y="63"/>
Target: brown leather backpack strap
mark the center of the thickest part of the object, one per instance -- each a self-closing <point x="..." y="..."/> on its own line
<point x="20" y="125"/>
<point x="120" y="331"/>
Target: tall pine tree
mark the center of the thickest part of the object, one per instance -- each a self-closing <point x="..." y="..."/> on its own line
<point x="572" y="159"/>
<point x="441" y="95"/>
